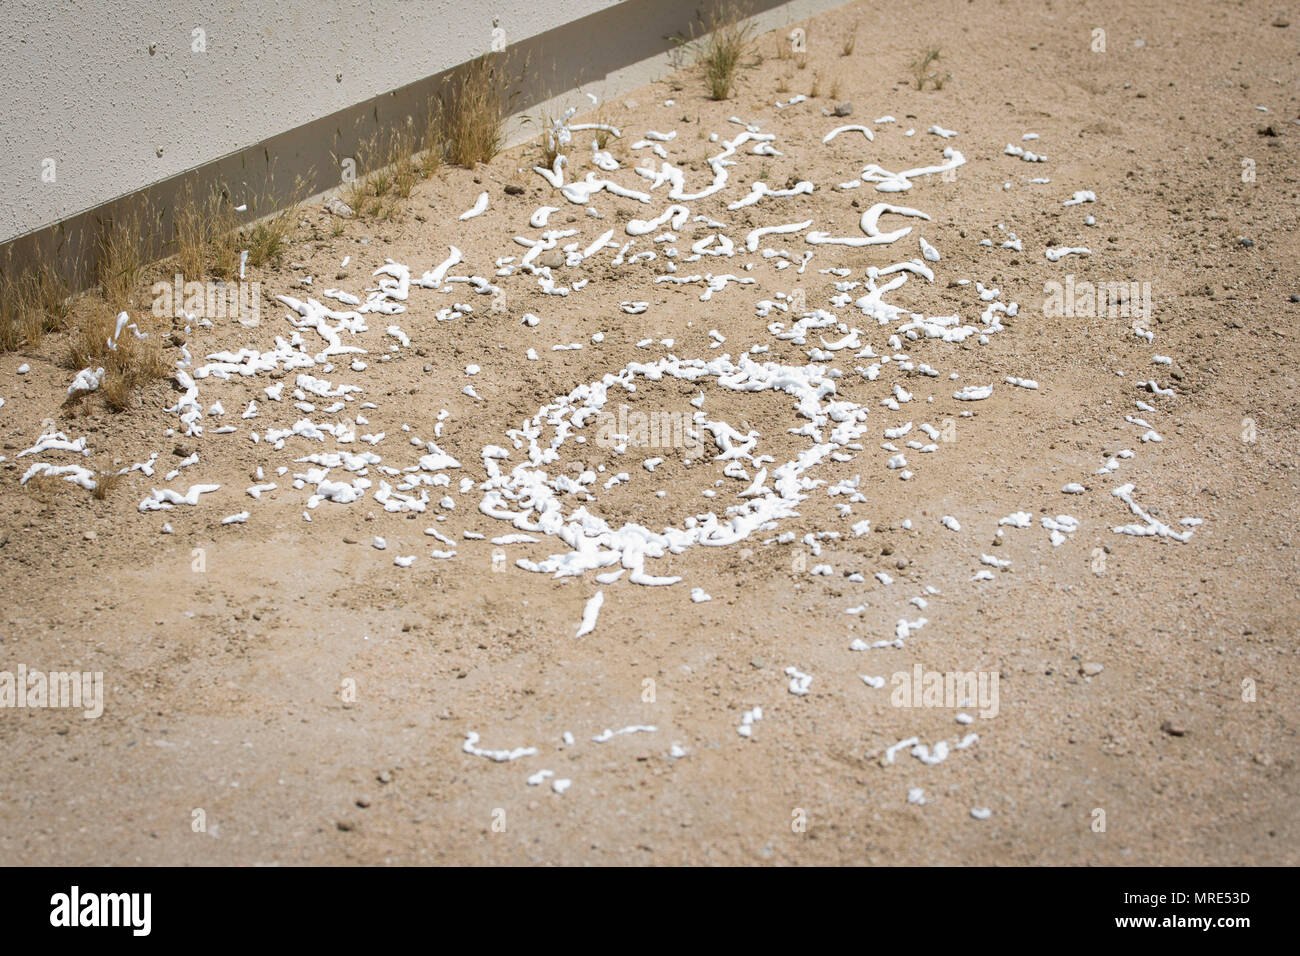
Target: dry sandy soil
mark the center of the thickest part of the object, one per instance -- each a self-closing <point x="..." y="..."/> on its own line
<point x="224" y="689"/>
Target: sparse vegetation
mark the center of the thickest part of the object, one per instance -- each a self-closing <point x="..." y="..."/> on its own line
<point x="128" y="363"/>
<point x="375" y="193"/>
<point x="836" y="88"/>
<point x="191" y="233"/>
<point x="402" y="147"/>
<point x="921" y="72"/>
<point x="264" y="239"/>
<point x="223" y="235"/>
<point x="208" y="241"/>
<point x="470" y="117"/>
<point x="850" y="40"/>
<point x="815" y="89"/>
<point x="120" y="257"/>
<point x="106" y="482"/>
<point x="722" y="50"/>
<point x="430" y="142"/>
<point x="603" y="137"/>
<point x="33" y="301"/>
<point x="550" y="141"/>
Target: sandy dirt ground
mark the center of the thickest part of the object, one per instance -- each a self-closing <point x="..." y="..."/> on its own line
<point x="280" y="691"/>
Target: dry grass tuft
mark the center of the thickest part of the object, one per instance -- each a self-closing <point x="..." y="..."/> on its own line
<point x="129" y="363"/>
<point x="549" y="145"/>
<point x="191" y="226"/>
<point x="430" y="145"/>
<point x="105" y="484"/>
<point x="471" y="115"/>
<point x="265" y="238"/>
<point x="603" y="137"/>
<point x="120" y="257"/>
<point x="406" y="171"/>
<point x="222" y="235"/>
<point x="721" y="51"/>
<point x="33" y="301"/>
<point x="207" y="238"/>
<point x="375" y="194"/>
<point x="850" y="41"/>
<point x="921" y="72"/>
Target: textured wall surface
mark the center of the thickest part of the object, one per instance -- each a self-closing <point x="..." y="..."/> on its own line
<point x="102" y="98"/>
<point x="99" y="86"/>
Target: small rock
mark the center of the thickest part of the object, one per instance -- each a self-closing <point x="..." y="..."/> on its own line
<point x="1091" y="669"/>
<point x="843" y="109"/>
<point x="384" y="777"/>
<point x="1248" y="243"/>
<point x="1173" y="729"/>
<point x="514" y="189"/>
<point x="339" y="208"/>
<point x="346" y="825"/>
<point x="552" y="257"/>
<point x="184" y="449"/>
<point x="90" y="536"/>
<point x="363" y="801"/>
<point x="1295" y="297"/>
